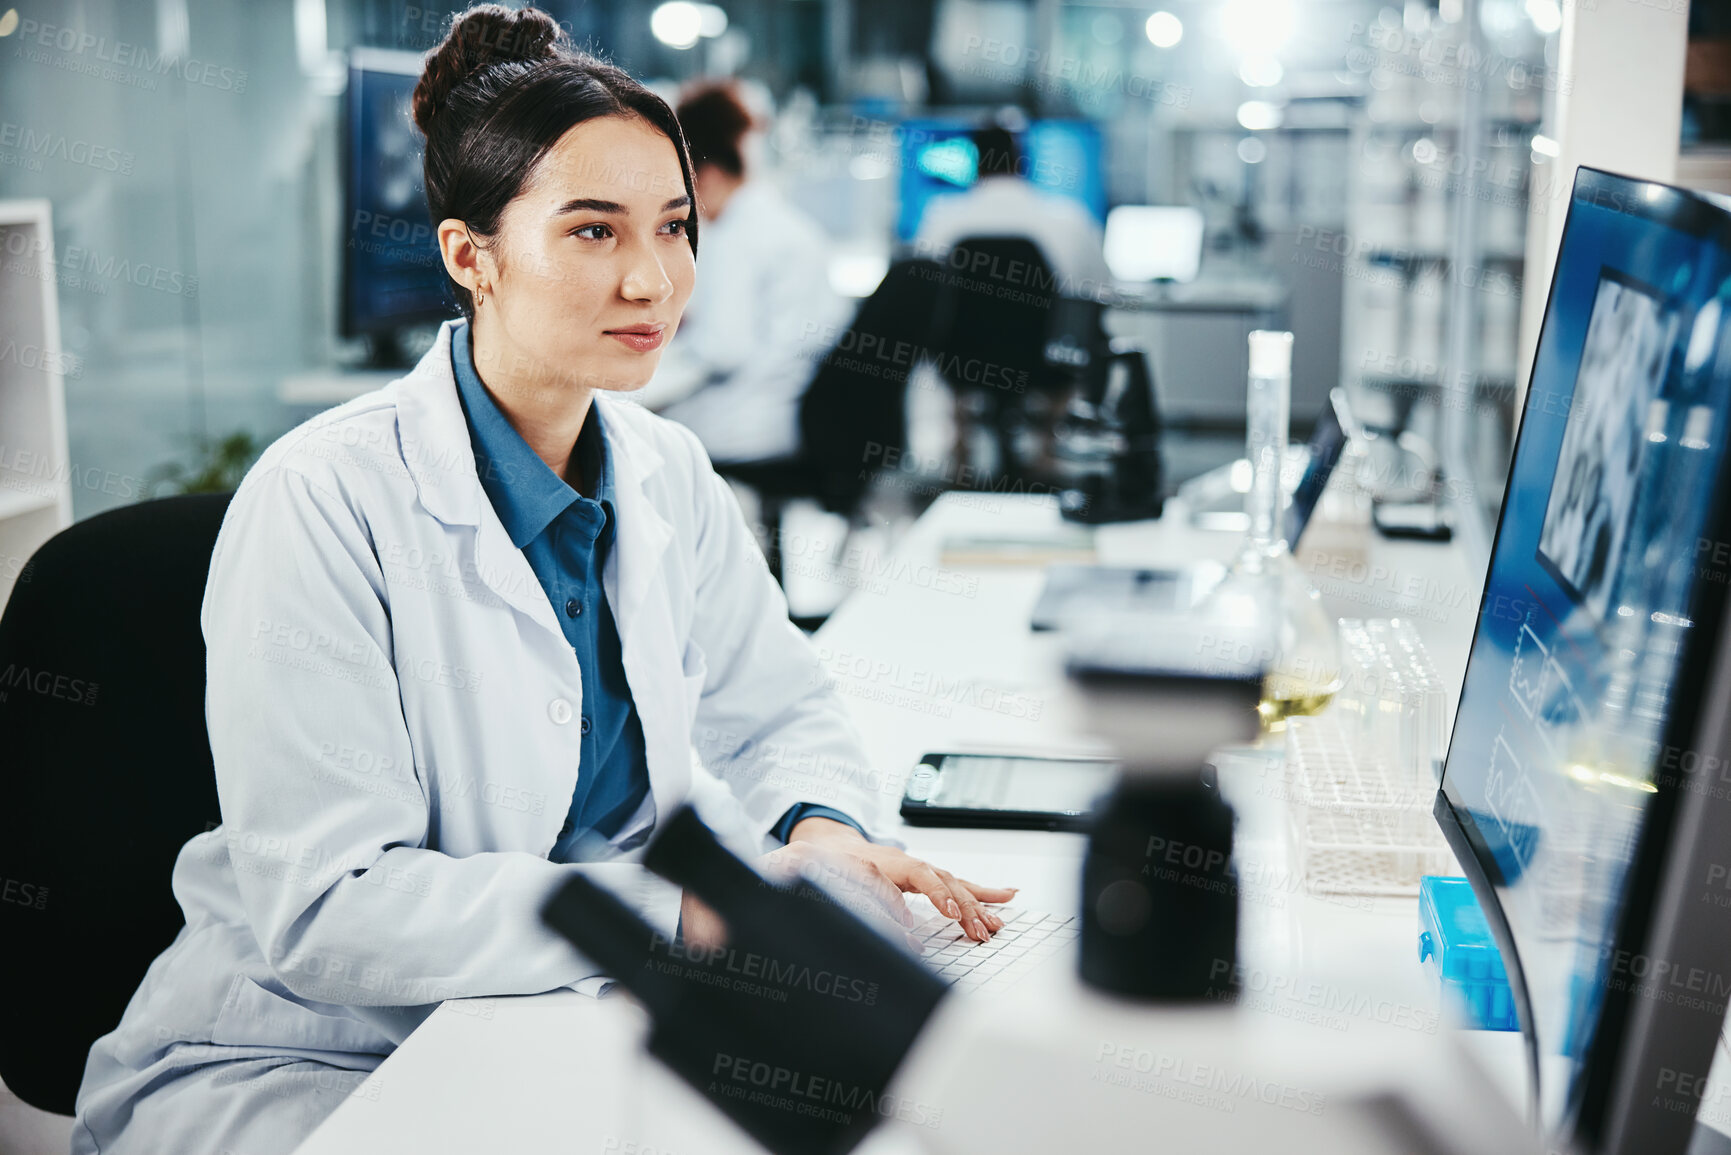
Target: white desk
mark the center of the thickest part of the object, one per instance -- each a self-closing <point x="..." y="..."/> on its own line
<point x="931" y="663"/>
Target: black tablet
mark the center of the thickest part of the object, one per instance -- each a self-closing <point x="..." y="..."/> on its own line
<point x="1006" y="791"/>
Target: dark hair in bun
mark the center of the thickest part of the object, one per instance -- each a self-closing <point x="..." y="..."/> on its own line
<point x="715" y="121"/>
<point x="500" y="90"/>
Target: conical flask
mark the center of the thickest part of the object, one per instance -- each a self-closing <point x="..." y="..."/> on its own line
<point x="1265" y="588"/>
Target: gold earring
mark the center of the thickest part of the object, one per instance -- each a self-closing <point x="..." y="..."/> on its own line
<point x="480" y="297"/>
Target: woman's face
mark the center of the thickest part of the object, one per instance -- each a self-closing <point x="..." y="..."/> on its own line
<point x="591" y="268"/>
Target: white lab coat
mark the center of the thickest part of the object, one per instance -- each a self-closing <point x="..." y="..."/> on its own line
<point x="1009" y="206"/>
<point x="761" y="315"/>
<point x="394" y="716"/>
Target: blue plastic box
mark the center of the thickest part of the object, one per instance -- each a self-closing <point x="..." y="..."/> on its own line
<point x="1456" y="947"/>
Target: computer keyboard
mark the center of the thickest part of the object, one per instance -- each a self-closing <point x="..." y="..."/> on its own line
<point x="1029" y="938"/>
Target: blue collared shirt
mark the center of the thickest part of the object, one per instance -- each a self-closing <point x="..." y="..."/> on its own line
<point x="566" y="537"/>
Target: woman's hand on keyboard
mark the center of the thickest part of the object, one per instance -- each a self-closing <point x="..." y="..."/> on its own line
<point x="861" y="889"/>
<point x="954" y="897"/>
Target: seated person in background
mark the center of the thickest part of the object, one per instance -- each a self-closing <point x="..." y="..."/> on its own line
<point x="1004" y="203"/>
<point x="763" y="310"/>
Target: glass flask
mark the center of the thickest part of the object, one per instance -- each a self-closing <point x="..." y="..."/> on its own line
<point x="1265" y="589"/>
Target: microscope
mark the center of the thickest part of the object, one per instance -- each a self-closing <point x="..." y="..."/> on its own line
<point x="1107" y="444"/>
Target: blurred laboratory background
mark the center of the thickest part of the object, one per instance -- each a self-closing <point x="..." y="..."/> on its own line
<point x="239" y="238"/>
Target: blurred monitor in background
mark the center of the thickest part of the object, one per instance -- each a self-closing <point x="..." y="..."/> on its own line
<point x="392" y="275"/>
<point x="1046" y="184"/>
<point x="762" y="312"/>
<point x="1154" y="242"/>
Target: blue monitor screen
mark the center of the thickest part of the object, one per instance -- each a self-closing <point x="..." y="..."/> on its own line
<point x="392" y="272"/>
<point x="1569" y="713"/>
<point x="938" y="160"/>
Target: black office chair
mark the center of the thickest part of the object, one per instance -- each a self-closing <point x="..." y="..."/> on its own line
<point x="105" y="769"/>
<point x="854" y="408"/>
<point x="995" y="315"/>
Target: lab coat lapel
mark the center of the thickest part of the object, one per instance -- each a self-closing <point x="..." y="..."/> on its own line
<point x="438" y="454"/>
<point x="636" y="586"/>
<point x="643" y="533"/>
<point x="440" y="457"/>
<point x="507" y="572"/>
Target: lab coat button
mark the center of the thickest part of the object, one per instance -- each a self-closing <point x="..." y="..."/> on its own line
<point x="559" y="710"/>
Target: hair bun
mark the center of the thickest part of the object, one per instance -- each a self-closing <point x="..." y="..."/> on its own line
<point x="481" y="37"/>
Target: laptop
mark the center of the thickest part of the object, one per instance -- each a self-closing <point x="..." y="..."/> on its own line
<point x="1141" y="589"/>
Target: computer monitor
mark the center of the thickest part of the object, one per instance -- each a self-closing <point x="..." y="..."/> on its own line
<point x="1587" y="788"/>
<point x="938" y="160"/>
<point x="392" y="274"/>
<point x="1154" y="242"/>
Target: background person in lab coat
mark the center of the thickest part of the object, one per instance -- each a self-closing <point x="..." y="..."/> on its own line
<point x="476" y="631"/>
<point x="763" y="311"/>
<point x="1003" y="202"/>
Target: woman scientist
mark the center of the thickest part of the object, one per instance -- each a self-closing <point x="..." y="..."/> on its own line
<point x="462" y="624"/>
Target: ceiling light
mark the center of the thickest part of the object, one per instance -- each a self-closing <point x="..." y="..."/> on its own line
<point x="1546" y="15"/>
<point x="1164" y="30"/>
<point x="1257" y="115"/>
<point x="711" y="20"/>
<point x="677" y="24"/>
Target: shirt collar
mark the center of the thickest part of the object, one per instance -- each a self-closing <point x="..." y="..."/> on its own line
<point x="527" y="495"/>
